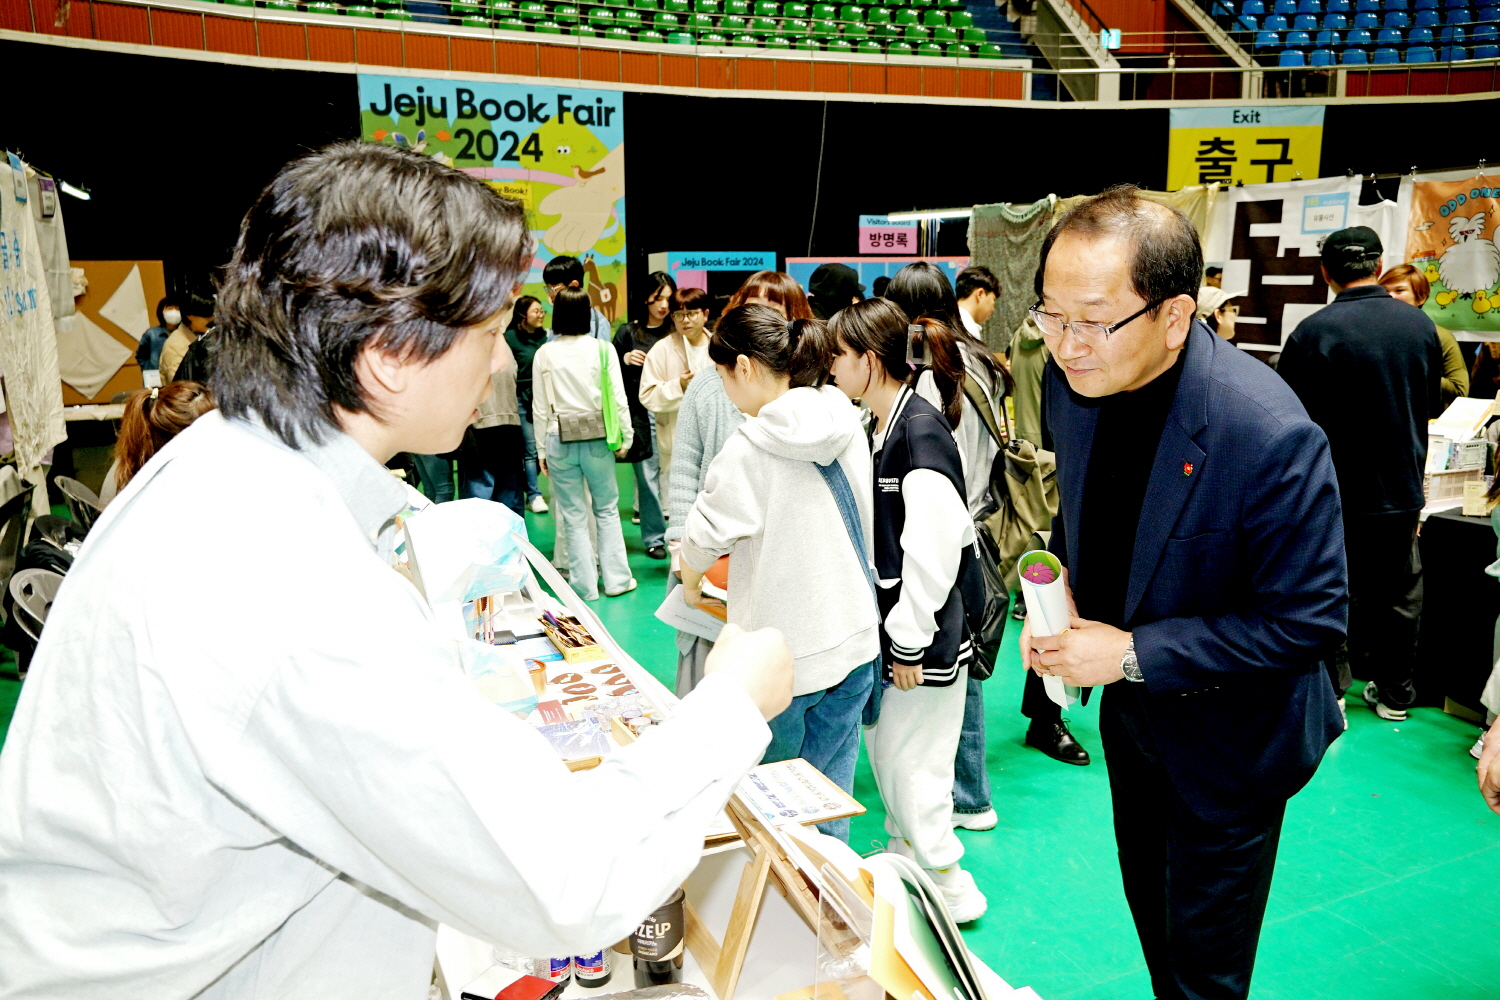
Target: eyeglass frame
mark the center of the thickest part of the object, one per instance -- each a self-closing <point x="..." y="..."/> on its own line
<point x="1036" y="311"/>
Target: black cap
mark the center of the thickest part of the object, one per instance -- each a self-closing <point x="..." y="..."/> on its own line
<point x="834" y="285"/>
<point x="1352" y="245"/>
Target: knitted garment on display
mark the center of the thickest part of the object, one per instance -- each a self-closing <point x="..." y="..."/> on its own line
<point x="1009" y="243"/>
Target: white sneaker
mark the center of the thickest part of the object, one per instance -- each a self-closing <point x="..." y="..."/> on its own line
<point x="1386" y="712"/>
<point x="628" y="588"/>
<point x="539" y="504"/>
<point x="1345" y="713"/>
<point x="1477" y="750"/>
<point x="897" y="845"/>
<point x="986" y="820"/>
<point x="961" y="893"/>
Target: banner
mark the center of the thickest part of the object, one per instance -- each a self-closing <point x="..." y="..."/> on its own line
<point x="1266" y="238"/>
<point x="690" y="268"/>
<point x="559" y="151"/>
<point x="870" y="268"/>
<point x="1451" y="237"/>
<point x="1255" y="145"/>
<point x="878" y="234"/>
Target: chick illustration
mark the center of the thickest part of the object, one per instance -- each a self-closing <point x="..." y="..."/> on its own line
<point x="1482" y="302"/>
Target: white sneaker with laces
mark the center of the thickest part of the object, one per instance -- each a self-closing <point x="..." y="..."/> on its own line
<point x="897" y="845"/>
<point x="539" y="504"/>
<point x="1477" y="750"/>
<point x="961" y="893"/>
<point x="1386" y="712"/>
<point x="982" y="821"/>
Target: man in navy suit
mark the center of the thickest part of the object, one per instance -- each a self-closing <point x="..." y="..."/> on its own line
<point x="1199" y="523"/>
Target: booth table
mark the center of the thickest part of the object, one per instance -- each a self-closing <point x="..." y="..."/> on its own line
<point x="1459" y="607"/>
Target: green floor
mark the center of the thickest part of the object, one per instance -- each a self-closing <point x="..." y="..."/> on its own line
<point x="1389" y="867"/>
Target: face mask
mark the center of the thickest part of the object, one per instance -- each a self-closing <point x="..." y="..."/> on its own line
<point x="172" y="316"/>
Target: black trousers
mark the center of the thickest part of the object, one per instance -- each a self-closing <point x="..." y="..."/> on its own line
<point x="1035" y="704"/>
<point x="1196" y="890"/>
<point x="1385" y="603"/>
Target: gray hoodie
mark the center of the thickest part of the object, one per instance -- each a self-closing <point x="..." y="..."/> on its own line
<point x="792" y="565"/>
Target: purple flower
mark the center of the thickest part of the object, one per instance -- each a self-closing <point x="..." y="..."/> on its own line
<point x="1039" y="573"/>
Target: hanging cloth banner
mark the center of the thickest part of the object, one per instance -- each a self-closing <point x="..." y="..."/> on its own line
<point x="1251" y="145"/>
<point x="1450" y="235"/>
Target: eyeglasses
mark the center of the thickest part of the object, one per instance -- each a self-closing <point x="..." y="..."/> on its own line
<point x="1096" y="333"/>
<point x="685" y="313"/>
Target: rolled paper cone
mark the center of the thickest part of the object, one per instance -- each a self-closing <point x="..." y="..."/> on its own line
<point x="1047" y="614"/>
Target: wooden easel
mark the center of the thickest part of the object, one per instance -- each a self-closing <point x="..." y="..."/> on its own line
<point x="768" y="863"/>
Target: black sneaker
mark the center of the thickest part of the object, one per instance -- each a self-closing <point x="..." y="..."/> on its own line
<point x="1018" y="610"/>
<point x="657" y="552"/>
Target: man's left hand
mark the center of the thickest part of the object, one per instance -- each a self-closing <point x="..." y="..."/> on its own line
<point x="1087" y="654"/>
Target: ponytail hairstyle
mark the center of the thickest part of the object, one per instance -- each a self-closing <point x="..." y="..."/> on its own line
<point x="923" y="292"/>
<point x="795" y="349"/>
<point x="773" y="286"/>
<point x="880" y="326"/>
<point x="152" y="418"/>
<point x="572" y="312"/>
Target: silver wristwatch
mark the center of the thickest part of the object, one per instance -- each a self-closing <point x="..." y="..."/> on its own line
<point x="1129" y="665"/>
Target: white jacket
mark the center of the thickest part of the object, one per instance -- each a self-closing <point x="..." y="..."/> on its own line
<point x="791" y="562"/>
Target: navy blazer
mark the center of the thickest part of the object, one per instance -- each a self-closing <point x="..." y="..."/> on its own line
<point x="1237" y="584"/>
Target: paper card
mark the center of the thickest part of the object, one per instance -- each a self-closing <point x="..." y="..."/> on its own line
<point x="18" y="176"/>
<point x="1047" y="612"/>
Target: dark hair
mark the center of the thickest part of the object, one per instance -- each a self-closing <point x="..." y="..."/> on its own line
<point x="922" y="291"/>
<point x="1344" y="271"/>
<point x="1167" y="258"/>
<point x="152" y="417"/>
<point x="972" y="279"/>
<point x="1420" y="286"/>
<point x="797" y="349"/>
<point x="161" y="307"/>
<point x="879" y="285"/>
<point x="655" y="282"/>
<point x="356" y="245"/>
<point x="572" y="312"/>
<point x="691" y="298"/>
<point x="774" y="286"/>
<point x="520" y="309"/>
<point x="198" y="304"/>
<point x="1209" y="272"/>
<point x="879" y="325"/>
<point x="563" y="271"/>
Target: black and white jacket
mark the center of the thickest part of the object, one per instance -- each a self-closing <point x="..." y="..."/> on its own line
<point x="923" y="535"/>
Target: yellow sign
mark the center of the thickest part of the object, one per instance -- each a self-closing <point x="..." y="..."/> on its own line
<point x="1249" y="145"/>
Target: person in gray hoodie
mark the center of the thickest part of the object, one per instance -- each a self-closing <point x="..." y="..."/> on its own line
<point x="789" y="501"/>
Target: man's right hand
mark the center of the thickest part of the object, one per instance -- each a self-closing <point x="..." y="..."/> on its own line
<point x="759" y="661"/>
<point x="635" y="358"/>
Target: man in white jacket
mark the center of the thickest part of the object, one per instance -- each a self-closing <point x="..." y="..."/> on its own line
<point x="265" y="773"/>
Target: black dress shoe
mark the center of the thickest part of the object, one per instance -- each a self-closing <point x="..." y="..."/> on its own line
<point x="1054" y="740"/>
<point x="657" y="552"/>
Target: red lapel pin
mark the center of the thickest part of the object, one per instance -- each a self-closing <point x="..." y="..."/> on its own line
<point x="1187" y="468"/>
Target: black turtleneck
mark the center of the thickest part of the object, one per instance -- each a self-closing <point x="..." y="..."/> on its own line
<point x="1126" y="437"/>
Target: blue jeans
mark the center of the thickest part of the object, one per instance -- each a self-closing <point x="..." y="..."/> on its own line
<point x="570" y="466"/>
<point x="528" y="433"/>
<point x="648" y="495"/>
<point x="490" y="467"/>
<point x="971" y="782"/>
<point x="823" y="729"/>
<point x="436" y="474"/>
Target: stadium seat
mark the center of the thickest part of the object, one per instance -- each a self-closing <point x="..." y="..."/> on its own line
<point x="766" y="8"/>
<point x="1389" y="36"/>
<point x="1419" y="54"/>
<point x="744" y="41"/>
<point x="1397" y="19"/>
<point x="870" y="46"/>
<point x="1256" y="8"/>
<point x="851" y="12"/>
<point x="1285" y="7"/>
<point x="1246" y="22"/>
<point x="991" y="50"/>
<point x="974" y="36"/>
<point x="1354" y="57"/>
<point x="856" y="32"/>
<point x="1300" y="39"/>
<point x="1367" y="5"/>
<point x="1487" y="52"/>
<point x="915" y="33"/>
<point x="1450" y="53"/>
<point x="1321" y="57"/>
<point x="961" y="19"/>
<point x="1267" y="40"/>
<point x="1274" y="22"/>
<point x="1386" y="56"/>
<point x="839" y="45"/>
<point x="1427" y="18"/>
<point x="1305" y="22"/>
<point x="1335" y="22"/>
<point x="1309" y="6"/>
<point x="1485" y="34"/>
<point x="1459" y="16"/>
<point x="1292" y="57"/>
<point x="1424" y="4"/>
<point x="1395" y="4"/>
<point x="933" y="18"/>
<point x="904" y="16"/>
<point x="763" y="25"/>
<point x="700" y="22"/>
<point x="1452" y="34"/>
<point x="1329" y="39"/>
<point x="825" y="29"/>
<point x="1359" y="36"/>
<point x="1488" y="14"/>
<point x="900" y="48"/>
<point x="1366" y="20"/>
<point x="1338" y="6"/>
<point x="1456" y="3"/>
<point x="823" y="11"/>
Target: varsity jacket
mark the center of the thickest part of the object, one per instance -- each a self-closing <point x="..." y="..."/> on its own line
<point x="923" y="542"/>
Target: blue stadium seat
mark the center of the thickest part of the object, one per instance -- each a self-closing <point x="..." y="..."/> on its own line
<point x="1292" y="57"/>
<point x="1419" y="54"/>
<point x="1370" y="5"/>
<point x="1397" y="19"/>
<point x="1427" y="18"/>
<point x="1424" y="4"/>
<point x="1459" y="15"/>
<point x="1359" y="36"/>
<point x="1274" y="22"/>
<point x="1384" y="56"/>
<point x="1221" y="8"/>
<point x="1487" y="52"/>
<point x="1456" y="3"/>
<point x="1389" y="36"/>
<point x="1354" y="57"/>
<point x="1488" y="14"/>
<point x="1286" y="6"/>
<point x="1420" y="36"/>
<point x="1338" y="6"/>
<point x="1245" y="22"/>
<point x="1485" y="34"/>
<point x="1321" y="57"/>
<point x="1452" y="53"/>
<point x="1330" y="39"/>
<point x="1298" y="38"/>
<point x="1365" y="19"/>
<point x="1309" y="6"/>
<point x="1395" y="4"/>
<point x="1452" y="35"/>
<point x="1335" y="22"/>
<point x="1255" y="7"/>
<point x="1306" y="22"/>
<point x="1267" y="40"/>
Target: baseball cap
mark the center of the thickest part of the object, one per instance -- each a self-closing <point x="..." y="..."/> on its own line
<point x="835" y="281"/>
<point x="1211" y="299"/>
<point x="1352" y="245"/>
